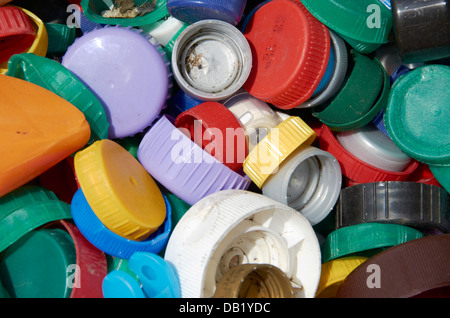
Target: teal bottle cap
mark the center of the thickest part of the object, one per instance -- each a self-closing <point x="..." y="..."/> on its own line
<point x="365" y="239"/>
<point x="417" y="114"/>
<point x="442" y="175"/>
<point x="37" y="265"/>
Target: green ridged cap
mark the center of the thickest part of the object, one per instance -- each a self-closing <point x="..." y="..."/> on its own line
<point x="54" y="77"/>
<point x="417" y="114"/>
<point x="365" y="239"/>
<point x="60" y="37"/>
<point x="36" y="265"/>
<point x="26" y="209"/>
<point x="352" y="107"/>
<point x="365" y="24"/>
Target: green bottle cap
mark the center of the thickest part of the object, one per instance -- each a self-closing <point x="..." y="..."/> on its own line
<point x="365" y="239"/>
<point x="417" y="114"/>
<point x="3" y="292"/>
<point x="366" y="23"/>
<point x="442" y="175"/>
<point x="131" y="144"/>
<point x="353" y="106"/>
<point x="36" y="265"/>
<point x="27" y="208"/>
<point x="121" y="264"/>
<point x="60" y="37"/>
<point x="54" y="77"/>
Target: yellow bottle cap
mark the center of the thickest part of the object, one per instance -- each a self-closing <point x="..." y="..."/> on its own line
<point x="333" y="274"/>
<point x="279" y="143"/>
<point x="40" y="44"/>
<point x="119" y="190"/>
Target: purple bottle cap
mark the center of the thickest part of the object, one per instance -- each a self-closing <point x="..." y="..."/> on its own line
<point x="183" y="167"/>
<point x="126" y="72"/>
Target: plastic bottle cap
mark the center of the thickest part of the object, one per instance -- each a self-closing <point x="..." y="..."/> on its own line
<point x="442" y="175"/>
<point x="338" y="75"/>
<point x="273" y="149"/>
<point x="334" y="272"/>
<point x="416" y="116"/>
<point x="356" y="169"/>
<point x="36" y="265"/>
<point x="54" y="77"/>
<point x="120" y="284"/>
<point x="370" y="145"/>
<point x="192" y="11"/>
<point x="214" y="128"/>
<point x="34" y="140"/>
<point x="211" y="60"/>
<point x="16" y="32"/>
<point x="158" y="277"/>
<point x="418" y="205"/>
<point x="93" y="10"/>
<point x="254" y="281"/>
<point x="353" y="20"/>
<point x="120" y="191"/>
<point x="34" y="206"/>
<point x="357" y="95"/>
<point x="138" y="78"/>
<point x="180" y="102"/>
<point x="234" y="227"/>
<point x="309" y="181"/>
<point x="109" y="242"/>
<point x="288" y="66"/>
<point x="255" y="116"/>
<point x="418" y="268"/>
<point x="365" y="238"/>
<point x="60" y="37"/>
<point x="164" y="30"/>
<point x="421" y="30"/>
<point x="423" y="174"/>
<point x="91" y="262"/>
<point x="40" y="44"/>
<point x="182" y="166"/>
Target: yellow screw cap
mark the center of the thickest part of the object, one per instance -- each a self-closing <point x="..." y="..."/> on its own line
<point x="333" y="274"/>
<point x="119" y="190"/>
<point x="279" y="143"/>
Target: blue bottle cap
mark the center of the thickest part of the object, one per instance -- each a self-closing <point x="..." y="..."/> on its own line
<point x="120" y="284"/>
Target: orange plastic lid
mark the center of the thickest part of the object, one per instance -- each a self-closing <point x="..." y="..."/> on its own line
<point x="38" y="129"/>
<point x="290" y="49"/>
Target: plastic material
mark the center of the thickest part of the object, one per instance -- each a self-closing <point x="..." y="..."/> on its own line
<point x="138" y="78"/>
<point x="36" y="265"/>
<point x="213" y="127"/>
<point x="119" y="190"/>
<point x="109" y="242"/>
<point x="235" y="227"/>
<point x="309" y="181"/>
<point x="370" y="145"/>
<point x="421" y="29"/>
<point x="334" y="272"/>
<point x="211" y="60"/>
<point x="418" y="268"/>
<point x="254" y="281"/>
<point x="365" y="24"/>
<point x="93" y="10"/>
<point x="276" y="147"/>
<point x="442" y="175"/>
<point x="417" y="113"/>
<point x="158" y="277"/>
<point x="183" y="167"/>
<point x="60" y="37"/>
<point x="33" y="140"/>
<point x="355" y="169"/>
<point x="119" y="284"/>
<point x="366" y="239"/>
<point x="418" y="205"/>
<point x="338" y="76"/>
<point x="295" y="61"/>
<point x="54" y="77"/>
<point x="16" y="32"/>
<point x="255" y="116"/>
<point x="191" y="11"/>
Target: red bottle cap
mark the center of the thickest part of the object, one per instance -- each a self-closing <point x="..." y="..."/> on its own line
<point x="290" y="49"/>
<point x="213" y="127"/>
<point x="16" y="32"/>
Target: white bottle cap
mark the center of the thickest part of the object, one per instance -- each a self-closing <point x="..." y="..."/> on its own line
<point x="234" y="227"/>
<point x="211" y="60"/>
<point x="370" y="145"/>
<point x="164" y="30"/>
<point x="255" y="116"/>
<point x="309" y="181"/>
